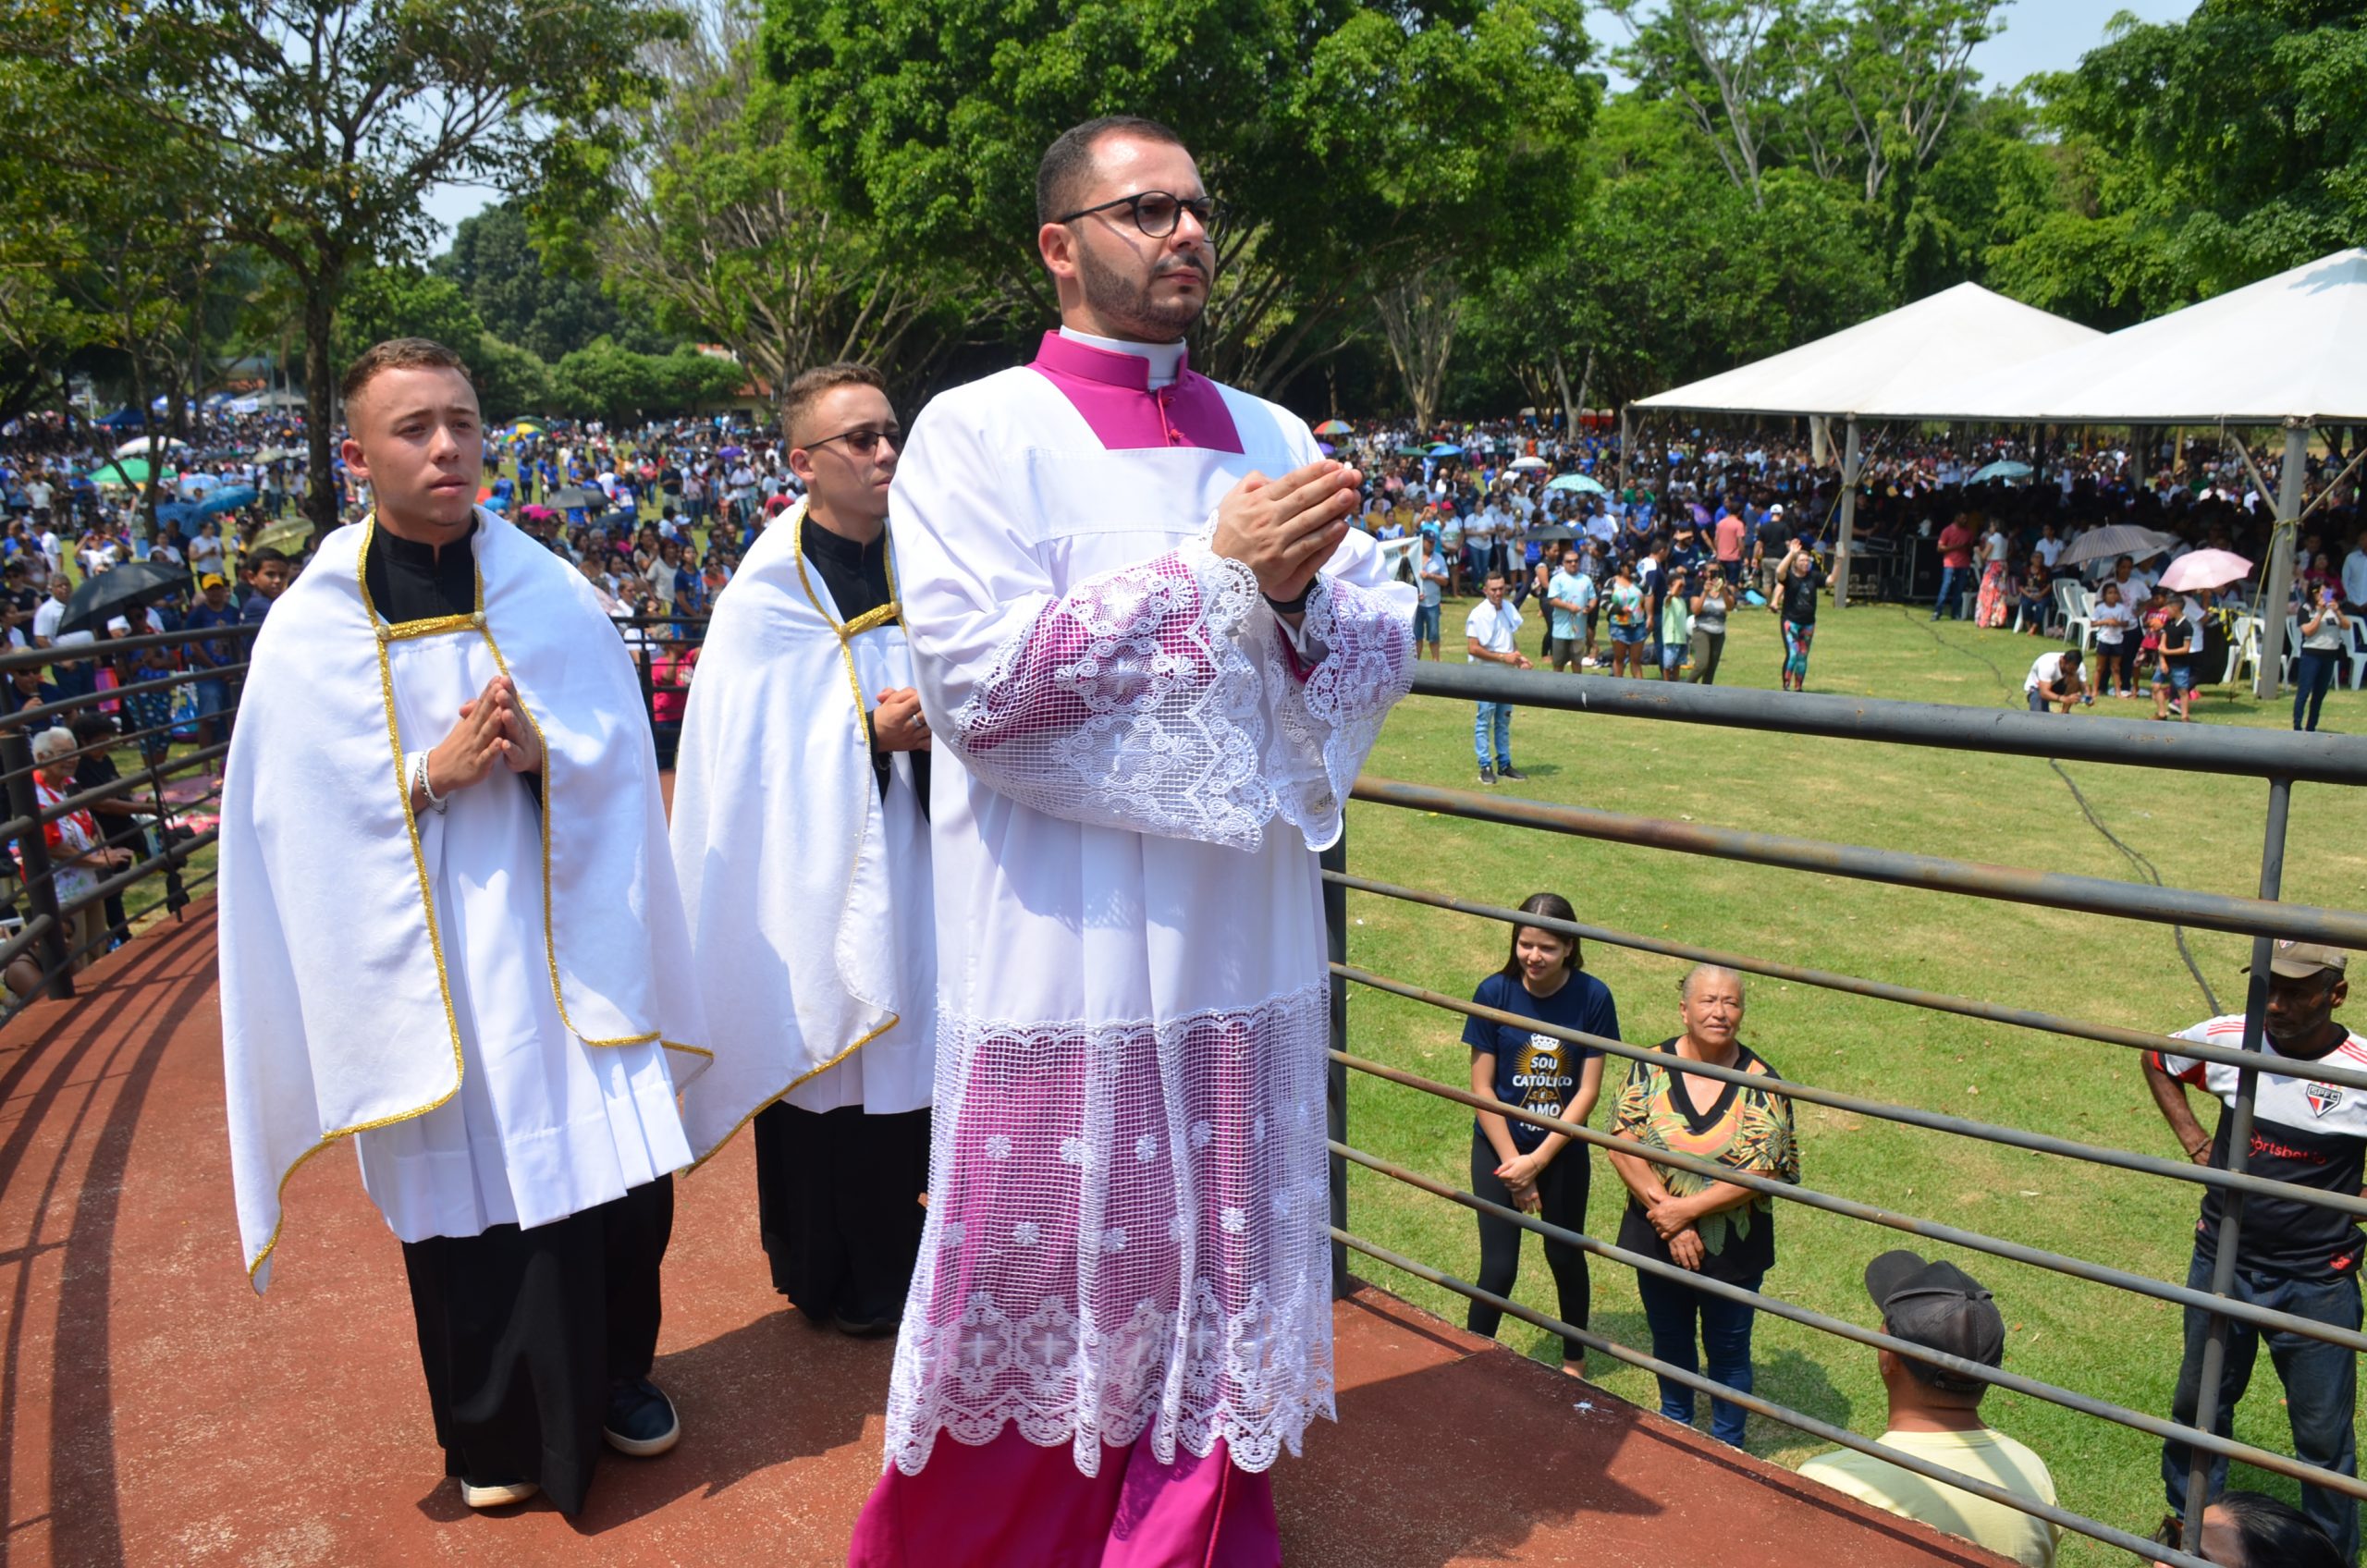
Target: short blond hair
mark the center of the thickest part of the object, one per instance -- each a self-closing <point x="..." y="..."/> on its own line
<point x="399" y="353"/>
<point x="797" y="399"/>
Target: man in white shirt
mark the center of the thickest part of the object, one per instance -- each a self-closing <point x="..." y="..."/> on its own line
<point x="1480" y="532"/>
<point x="1935" y="1417"/>
<point x="2354" y="576"/>
<point x="2054" y="683"/>
<point x="1489" y="635"/>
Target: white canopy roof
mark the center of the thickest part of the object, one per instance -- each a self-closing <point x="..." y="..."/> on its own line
<point x="2288" y="346"/>
<point x="1890" y="367"/>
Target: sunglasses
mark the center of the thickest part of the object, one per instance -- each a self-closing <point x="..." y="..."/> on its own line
<point x="865" y="441"/>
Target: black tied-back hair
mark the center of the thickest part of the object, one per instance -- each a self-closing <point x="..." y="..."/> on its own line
<point x="1553" y="906"/>
<point x="2269" y="1530"/>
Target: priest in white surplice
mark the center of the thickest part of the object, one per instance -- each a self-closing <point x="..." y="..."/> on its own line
<point x="801" y="840"/>
<point x="1153" y="657"/>
<point x="449" y="932"/>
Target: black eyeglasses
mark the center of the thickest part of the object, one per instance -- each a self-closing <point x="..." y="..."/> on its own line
<point x="865" y="441"/>
<point x="1157" y="213"/>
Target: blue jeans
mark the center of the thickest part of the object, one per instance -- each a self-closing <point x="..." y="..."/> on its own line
<point x="1426" y="623"/>
<point x="2315" y="673"/>
<point x="1951" y="580"/>
<point x="1672" y="1311"/>
<point x="2321" y="1382"/>
<point x="1501" y="714"/>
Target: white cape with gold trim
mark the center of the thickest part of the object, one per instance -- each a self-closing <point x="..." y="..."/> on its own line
<point x="807" y="894"/>
<point x="368" y="961"/>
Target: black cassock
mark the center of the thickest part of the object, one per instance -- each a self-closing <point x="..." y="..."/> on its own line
<point x="837" y="1192"/>
<point x="522" y="1333"/>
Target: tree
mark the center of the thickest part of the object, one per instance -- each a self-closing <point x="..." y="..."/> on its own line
<point x="402" y="301"/>
<point x="617" y="385"/>
<point x="529" y="302"/>
<point x="2211" y="152"/>
<point x="1353" y="144"/>
<point x="720" y="225"/>
<point x="1419" y="315"/>
<point x="330" y="121"/>
<point x="512" y="382"/>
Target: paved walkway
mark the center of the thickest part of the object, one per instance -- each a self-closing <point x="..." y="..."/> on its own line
<point x="153" y="1411"/>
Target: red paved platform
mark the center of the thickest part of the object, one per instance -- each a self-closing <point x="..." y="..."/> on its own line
<point x="153" y="1411"/>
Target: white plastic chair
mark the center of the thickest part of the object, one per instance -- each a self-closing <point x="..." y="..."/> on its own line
<point x="2243" y="649"/>
<point x="2079" y="607"/>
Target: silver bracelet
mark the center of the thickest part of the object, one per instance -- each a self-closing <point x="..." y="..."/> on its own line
<point x="419" y="778"/>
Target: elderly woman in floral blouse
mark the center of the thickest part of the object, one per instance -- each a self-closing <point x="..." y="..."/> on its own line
<point x="1720" y="1230"/>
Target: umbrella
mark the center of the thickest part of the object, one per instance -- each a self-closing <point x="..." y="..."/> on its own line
<point x="1530" y="465"/>
<point x="1332" y="428"/>
<point x="1558" y="533"/>
<point x="730" y="451"/>
<point x="139" y="448"/>
<point x="277" y="454"/>
<point x="228" y="497"/>
<point x="282" y="536"/>
<point x="525" y="427"/>
<point x="2199" y="570"/>
<point x="1326" y="447"/>
<point x="103" y="598"/>
<point x="575" y="496"/>
<point x="1444" y="450"/>
<point x="1413" y="451"/>
<point x="1578" y="481"/>
<point x="127" y="473"/>
<point x="201" y="482"/>
<point x="2112" y="542"/>
<point x="2003" y="470"/>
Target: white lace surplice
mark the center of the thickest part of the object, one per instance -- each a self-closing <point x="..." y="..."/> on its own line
<point x="1128" y="1217"/>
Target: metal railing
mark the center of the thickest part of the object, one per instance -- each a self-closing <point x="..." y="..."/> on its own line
<point x="46" y="925"/>
<point x="2278" y="758"/>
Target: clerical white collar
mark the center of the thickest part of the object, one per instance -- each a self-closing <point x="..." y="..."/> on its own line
<point x="1166" y="359"/>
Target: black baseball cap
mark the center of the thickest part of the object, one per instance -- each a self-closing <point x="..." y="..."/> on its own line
<point x="1941" y="1307"/>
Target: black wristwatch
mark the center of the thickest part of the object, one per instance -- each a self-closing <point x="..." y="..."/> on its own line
<point x="1288" y="606"/>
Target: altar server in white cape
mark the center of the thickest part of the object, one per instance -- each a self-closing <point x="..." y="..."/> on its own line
<point x="801" y="840"/>
<point x="1153" y="657"/>
<point x="450" y="933"/>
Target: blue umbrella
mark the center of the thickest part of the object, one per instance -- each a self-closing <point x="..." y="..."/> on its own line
<point x="1578" y="481"/>
<point x="2008" y="470"/>
<point x="177" y="513"/>
<point x="224" y="497"/>
<point x="1446" y="449"/>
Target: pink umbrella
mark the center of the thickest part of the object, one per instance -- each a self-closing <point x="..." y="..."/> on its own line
<point x="2199" y="570"/>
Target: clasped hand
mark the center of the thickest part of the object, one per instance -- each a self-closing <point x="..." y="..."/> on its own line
<point x="1284" y="529"/>
<point x="491" y="728"/>
<point x="1672" y="1219"/>
<point x="897" y="723"/>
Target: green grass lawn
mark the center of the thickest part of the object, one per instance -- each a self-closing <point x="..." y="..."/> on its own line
<point x="2200" y="832"/>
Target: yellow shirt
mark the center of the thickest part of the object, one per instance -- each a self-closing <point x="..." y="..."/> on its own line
<point x="1985" y="1455"/>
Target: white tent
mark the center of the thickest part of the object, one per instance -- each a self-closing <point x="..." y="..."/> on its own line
<point x="2290" y="350"/>
<point x="1889" y="367"/>
<point x="1895" y="366"/>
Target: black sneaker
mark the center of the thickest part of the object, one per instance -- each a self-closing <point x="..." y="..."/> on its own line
<point x="1516" y="774"/>
<point x="1487" y="775"/>
<point x="640" y="1419"/>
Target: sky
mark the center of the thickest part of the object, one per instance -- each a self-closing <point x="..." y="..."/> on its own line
<point x="2039" y="35"/>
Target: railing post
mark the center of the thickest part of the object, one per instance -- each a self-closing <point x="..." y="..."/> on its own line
<point x="33" y="851"/>
<point x="2239" y="1139"/>
<point x="1335" y="1079"/>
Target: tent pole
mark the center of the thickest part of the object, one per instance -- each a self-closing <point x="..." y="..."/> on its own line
<point x="1627" y="440"/>
<point x="2267" y="680"/>
<point x="1848" y="513"/>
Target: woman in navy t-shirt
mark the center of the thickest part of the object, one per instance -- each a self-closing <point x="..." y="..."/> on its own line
<point x="1518" y="1164"/>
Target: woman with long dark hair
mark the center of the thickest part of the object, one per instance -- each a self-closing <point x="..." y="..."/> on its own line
<point x="1519" y="1164"/>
